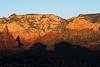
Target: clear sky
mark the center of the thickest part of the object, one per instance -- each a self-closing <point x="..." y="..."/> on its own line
<point x="63" y="8"/>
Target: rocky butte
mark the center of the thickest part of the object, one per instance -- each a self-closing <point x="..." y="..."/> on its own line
<point x="83" y="30"/>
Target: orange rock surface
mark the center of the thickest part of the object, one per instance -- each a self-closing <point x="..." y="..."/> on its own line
<point x="50" y="29"/>
<point x="6" y="40"/>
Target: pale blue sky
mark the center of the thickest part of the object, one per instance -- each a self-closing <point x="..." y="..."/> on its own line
<point x="63" y="8"/>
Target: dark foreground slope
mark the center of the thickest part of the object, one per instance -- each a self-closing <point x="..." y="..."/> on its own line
<point x="64" y="55"/>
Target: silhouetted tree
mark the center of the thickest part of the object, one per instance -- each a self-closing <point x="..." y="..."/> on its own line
<point x="64" y="49"/>
<point x="39" y="49"/>
<point x="63" y="46"/>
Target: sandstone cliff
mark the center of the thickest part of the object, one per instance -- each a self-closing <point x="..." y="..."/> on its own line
<point x="7" y="41"/>
<point x="31" y="27"/>
<point x="50" y="29"/>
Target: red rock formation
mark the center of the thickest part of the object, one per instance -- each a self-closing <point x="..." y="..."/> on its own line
<point x="50" y="38"/>
<point x="31" y="27"/>
<point x="45" y="28"/>
<point x="6" y="40"/>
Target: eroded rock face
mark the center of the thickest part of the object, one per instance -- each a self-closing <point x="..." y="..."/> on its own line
<point x="50" y="29"/>
<point x="31" y="27"/>
<point x="82" y="22"/>
<point x="79" y="23"/>
<point x="7" y="41"/>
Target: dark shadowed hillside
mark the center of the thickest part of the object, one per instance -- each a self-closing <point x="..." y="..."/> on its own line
<point x="64" y="55"/>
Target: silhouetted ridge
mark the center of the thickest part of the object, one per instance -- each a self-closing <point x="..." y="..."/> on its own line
<point x="65" y="54"/>
<point x="64" y="48"/>
<point x="68" y="47"/>
<point x="63" y="45"/>
<point x="38" y="44"/>
<point x="39" y="48"/>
